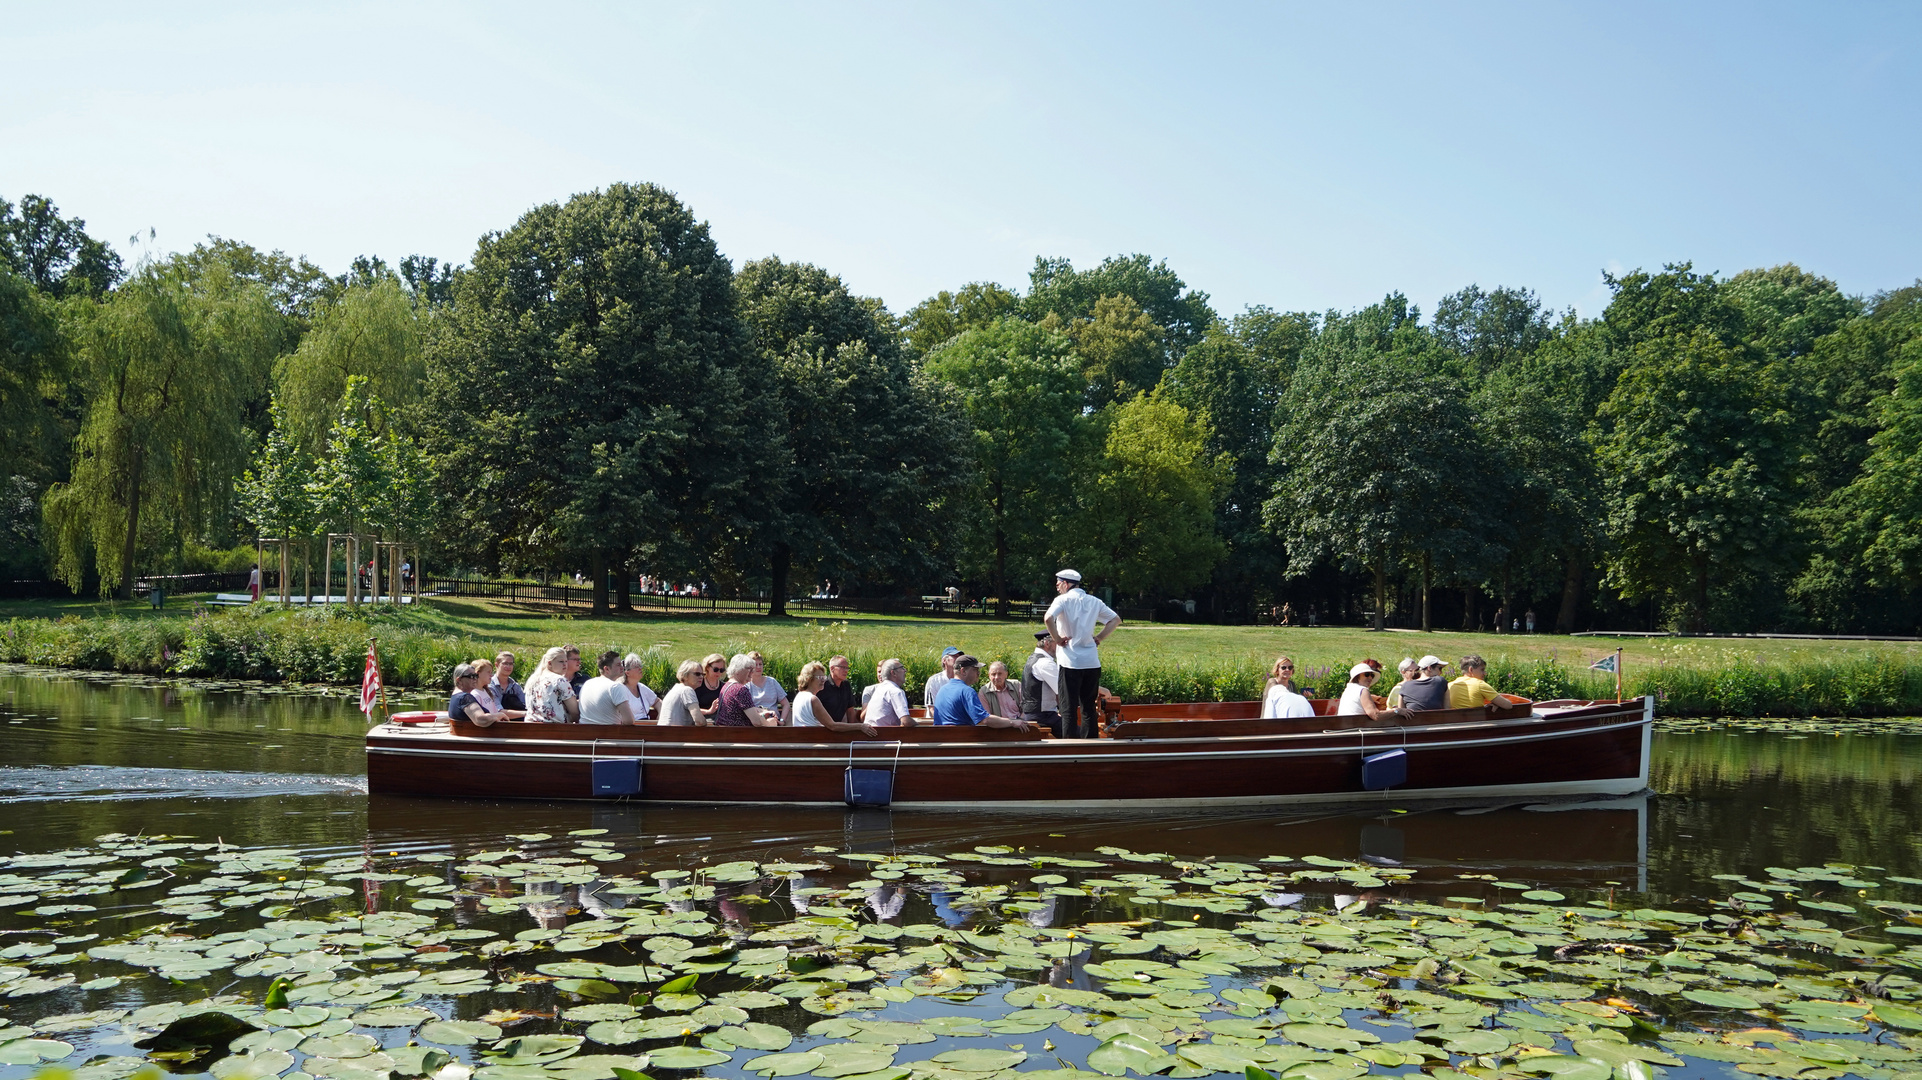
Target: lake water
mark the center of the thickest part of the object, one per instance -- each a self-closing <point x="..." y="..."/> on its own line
<point x="997" y="903"/>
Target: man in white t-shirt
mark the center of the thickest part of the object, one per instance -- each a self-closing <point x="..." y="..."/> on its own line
<point x="605" y="699"/>
<point x="939" y="679"/>
<point x="1072" y="619"/>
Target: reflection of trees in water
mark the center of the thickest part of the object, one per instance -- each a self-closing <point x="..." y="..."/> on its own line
<point x="1739" y="804"/>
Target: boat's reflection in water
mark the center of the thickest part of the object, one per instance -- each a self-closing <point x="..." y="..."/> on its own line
<point x="1601" y="844"/>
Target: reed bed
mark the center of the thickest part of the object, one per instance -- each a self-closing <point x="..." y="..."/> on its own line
<point x="420" y="649"/>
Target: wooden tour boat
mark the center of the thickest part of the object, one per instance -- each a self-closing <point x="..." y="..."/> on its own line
<point x="1214" y="753"/>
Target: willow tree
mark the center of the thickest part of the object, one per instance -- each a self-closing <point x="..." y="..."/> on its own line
<point x="168" y="364"/>
<point x="371" y="332"/>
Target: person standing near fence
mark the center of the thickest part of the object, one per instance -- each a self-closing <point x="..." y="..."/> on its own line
<point x="1072" y="619"/>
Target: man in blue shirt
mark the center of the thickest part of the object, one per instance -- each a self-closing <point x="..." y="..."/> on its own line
<point x="958" y="704"/>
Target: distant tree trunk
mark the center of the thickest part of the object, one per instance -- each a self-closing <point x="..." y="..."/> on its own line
<point x="1471" y="608"/>
<point x="125" y="592"/>
<point x="599" y="570"/>
<point x="623" y="591"/>
<point x="1000" y="557"/>
<point x="1427" y="571"/>
<point x="1571" y="593"/>
<point x="1381" y="588"/>
<point x="1508" y="595"/>
<point x="777" y="599"/>
<point x="1698" y="618"/>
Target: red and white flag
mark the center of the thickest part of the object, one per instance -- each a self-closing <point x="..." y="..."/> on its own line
<point x="370" y="682"/>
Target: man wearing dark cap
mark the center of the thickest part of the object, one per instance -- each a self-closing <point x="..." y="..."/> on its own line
<point x="1072" y="619"/>
<point x="1041" y="684"/>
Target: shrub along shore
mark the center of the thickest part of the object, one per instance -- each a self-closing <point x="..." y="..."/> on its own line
<point x="420" y="649"/>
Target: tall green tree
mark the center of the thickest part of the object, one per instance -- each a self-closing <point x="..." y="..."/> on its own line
<point x="1536" y="412"/>
<point x="35" y="426"/>
<point x="1698" y="462"/>
<point x="276" y="492"/>
<point x="1056" y="287"/>
<point x="53" y="253"/>
<point x="945" y="314"/>
<point x="1021" y="387"/>
<point x="1490" y="329"/>
<point x="869" y="486"/>
<point x="1123" y="352"/>
<point x="1147" y="521"/>
<point x="167" y="365"/>
<point x="1368" y="437"/>
<point x="596" y="393"/>
<point x="1233" y="389"/>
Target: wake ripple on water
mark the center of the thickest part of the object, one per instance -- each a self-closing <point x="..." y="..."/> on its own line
<point x="69" y="783"/>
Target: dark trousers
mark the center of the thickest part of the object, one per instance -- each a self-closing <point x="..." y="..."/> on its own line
<point x="1079" y="720"/>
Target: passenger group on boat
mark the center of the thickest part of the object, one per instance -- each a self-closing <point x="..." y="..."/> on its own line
<point x="1057" y="692"/>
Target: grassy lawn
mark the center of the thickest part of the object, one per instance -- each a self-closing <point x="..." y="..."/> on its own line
<point x="909" y="637"/>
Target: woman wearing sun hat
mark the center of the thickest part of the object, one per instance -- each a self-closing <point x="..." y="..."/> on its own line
<point x="1358" y="698"/>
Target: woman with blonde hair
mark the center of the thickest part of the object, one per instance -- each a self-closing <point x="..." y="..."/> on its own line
<point x="1281" y="701"/>
<point x="681" y="707"/>
<point x="550" y="700"/>
<point x="808" y="710"/>
<point x="489" y="694"/>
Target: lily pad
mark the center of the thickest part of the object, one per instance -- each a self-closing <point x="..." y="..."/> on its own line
<point x="1128" y="1052"/>
<point x="685" y="1057"/>
<point x="1721" y="999"/>
<point x="459" y="1032"/>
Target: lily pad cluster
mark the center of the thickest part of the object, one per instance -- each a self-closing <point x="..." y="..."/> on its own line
<point x="542" y="957"/>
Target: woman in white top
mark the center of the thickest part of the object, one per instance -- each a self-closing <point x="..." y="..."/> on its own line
<point x="682" y="707"/>
<point x="1281" y="701"/>
<point x="1358" y="698"/>
<point x="889" y="705"/>
<point x="767" y="692"/>
<point x="644" y="696"/>
<point x="808" y="710"/>
<point x="550" y="700"/>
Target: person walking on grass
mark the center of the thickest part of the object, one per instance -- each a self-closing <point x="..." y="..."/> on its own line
<point x="1073" y="619"/>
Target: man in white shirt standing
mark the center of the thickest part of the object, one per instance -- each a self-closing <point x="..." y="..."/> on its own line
<point x="1072" y="619"/>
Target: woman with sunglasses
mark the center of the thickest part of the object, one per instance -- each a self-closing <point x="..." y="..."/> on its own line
<point x="1281" y="701"/>
<point x="1358" y="698"/>
<point x="708" y="690"/>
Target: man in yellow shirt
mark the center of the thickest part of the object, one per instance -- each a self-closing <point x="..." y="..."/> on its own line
<point x="1470" y="689"/>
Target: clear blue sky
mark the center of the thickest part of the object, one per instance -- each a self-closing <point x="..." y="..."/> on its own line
<point x="1302" y="156"/>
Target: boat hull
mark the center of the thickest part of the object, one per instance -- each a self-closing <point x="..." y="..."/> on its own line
<point x="1472" y="755"/>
